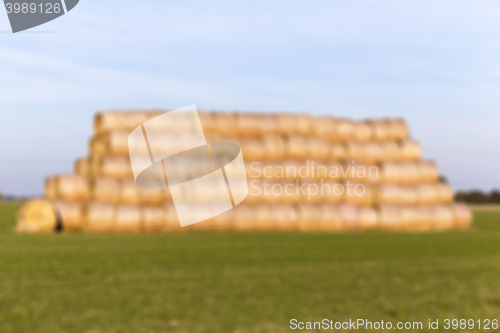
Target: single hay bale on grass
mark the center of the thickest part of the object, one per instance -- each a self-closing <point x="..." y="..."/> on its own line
<point x="45" y="216"/>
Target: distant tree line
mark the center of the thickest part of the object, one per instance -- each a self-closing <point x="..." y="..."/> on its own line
<point x="478" y="197"/>
<point x="7" y="197"/>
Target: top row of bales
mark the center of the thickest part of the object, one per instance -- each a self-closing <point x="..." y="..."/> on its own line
<point x="255" y="125"/>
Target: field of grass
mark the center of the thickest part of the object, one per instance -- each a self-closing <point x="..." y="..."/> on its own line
<point x="243" y="282"/>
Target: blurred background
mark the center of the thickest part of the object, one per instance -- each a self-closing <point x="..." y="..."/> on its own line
<point x="434" y="64"/>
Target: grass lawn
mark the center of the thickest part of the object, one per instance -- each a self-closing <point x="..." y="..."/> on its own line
<point x="244" y="282"/>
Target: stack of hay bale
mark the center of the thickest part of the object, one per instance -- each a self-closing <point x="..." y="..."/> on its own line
<point x="304" y="173"/>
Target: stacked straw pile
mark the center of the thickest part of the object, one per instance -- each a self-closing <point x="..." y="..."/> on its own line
<point x="403" y="192"/>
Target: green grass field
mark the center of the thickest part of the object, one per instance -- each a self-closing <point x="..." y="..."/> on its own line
<point x="243" y="282"/>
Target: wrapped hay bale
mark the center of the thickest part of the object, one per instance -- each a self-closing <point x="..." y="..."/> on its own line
<point x="104" y="190"/>
<point x="369" y="218"/>
<point x="205" y="190"/>
<point x="128" y="219"/>
<point x="67" y="187"/>
<point x="255" y="169"/>
<point x="409" y="217"/>
<point x="391" y="151"/>
<point x="390" y="172"/>
<point x="224" y="221"/>
<point x="398" y="128"/>
<point x="224" y="123"/>
<point x="153" y="219"/>
<point x="274" y="147"/>
<point x="373" y="152"/>
<point x="415" y="218"/>
<point x="303" y="124"/>
<point x="165" y="143"/>
<point x="358" y="194"/>
<point x="350" y="216"/>
<point x="110" y="121"/>
<point x="215" y="137"/>
<point x="324" y="128"/>
<point x="444" y="193"/>
<point x="136" y="118"/>
<point x="322" y="170"/>
<point x="409" y="173"/>
<point x="247" y="124"/>
<point x="262" y="217"/>
<point x="252" y="149"/>
<point x="41" y="216"/>
<point x="425" y="218"/>
<point x="49" y="188"/>
<point x="354" y="150"/>
<point x="285" y="123"/>
<point x="426" y="194"/>
<point x="245" y="218"/>
<point x="153" y="196"/>
<point x="275" y="192"/>
<point x="98" y="217"/>
<point x="96" y="146"/>
<point x="268" y="124"/>
<point x="330" y="218"/>
<point x="300" y="124"/>
<point x="337" y="151"/>
<point x="255" y="188"/>
<point x="283" y="217"/>
<point x="69" y="215"/>
<point x="400" y="173"/>
<point x="362" y="131"/>
<point x="174" y="123"/>
<point x="111" y="143"/>
<point x="428" y="171"/>
<point x="344" y="130"/>
<point x="462" y="216"/>
<point x="369" y="152"/>
<point x="379" y="129"/>
<point x="317" y="149"/>
<point x="309" y="217"/>
<point x="171" y="219"/>
<point x="112" y="166"/>
<point x="81" y="167"/>
<point x="408" y="195"/>
<point x="291" y="169"/>
<point x="389" y="217"/>
<point x="331" y="191"/>
<point x="310" y="190"/>
<point x="360" y="172"/>
<point x="207" y="122"/>
<point x="296" y="147"/>
<point x="129" y="192"/>
<point x="125" y="191"/>
<point x="396" y="194"/>
<point x="442" y="217"/>
<point x="324" y="217"/>
<point x="410" y="150"/>
<point x="387" y="194"/>
<point x="37" y="216"/>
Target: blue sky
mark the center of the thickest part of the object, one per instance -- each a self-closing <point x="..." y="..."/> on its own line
<point x="435" y="63"/>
